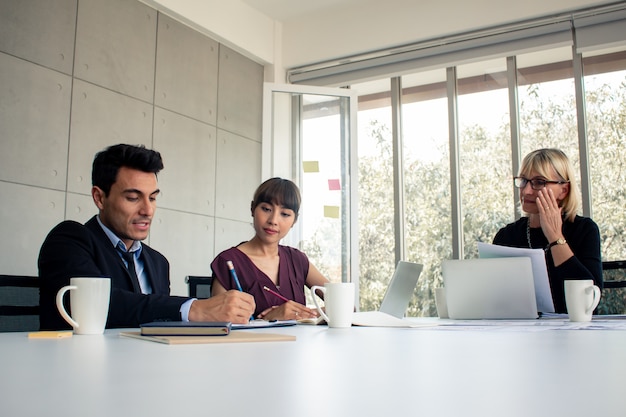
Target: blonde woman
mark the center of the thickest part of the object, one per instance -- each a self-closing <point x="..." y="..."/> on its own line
<point x="550" y="202"/>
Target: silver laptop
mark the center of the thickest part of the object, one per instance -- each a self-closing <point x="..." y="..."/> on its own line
<point x="400" y="288"/>
<point x="496" y="288"/>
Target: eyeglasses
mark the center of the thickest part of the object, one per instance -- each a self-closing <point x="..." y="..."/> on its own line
<point x="535" y="184"/>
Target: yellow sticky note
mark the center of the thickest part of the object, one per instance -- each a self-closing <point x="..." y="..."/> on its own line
<point x="50" y="334"/>
<point x="331" y="211"/>
<point x="311" y="166"/>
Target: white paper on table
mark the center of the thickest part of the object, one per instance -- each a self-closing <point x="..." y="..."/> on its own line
<point x="380" y="319"/>
<point x="543" y="294"/>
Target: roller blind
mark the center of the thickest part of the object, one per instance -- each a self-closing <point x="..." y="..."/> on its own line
<point x="604" y="30"/>
<point x="447" y="53"/>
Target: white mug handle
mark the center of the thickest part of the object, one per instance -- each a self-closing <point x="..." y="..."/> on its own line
<point x="314" y="296"/>
<point x="596" y="298"/>
<point x="61" y="307"/>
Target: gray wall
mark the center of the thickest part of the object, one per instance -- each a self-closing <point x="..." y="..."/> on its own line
<point x="79" y="75"/>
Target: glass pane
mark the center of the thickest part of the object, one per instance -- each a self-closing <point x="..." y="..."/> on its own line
<point x="484" y="151"/>
<point x="428" y="214"/>
<point x="605" y="85"/>
<point x="324" y="184"/>
<point x="376" y="229"/>
<point x="547" y="103"/>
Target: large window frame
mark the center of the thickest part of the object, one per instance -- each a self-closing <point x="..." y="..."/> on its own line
<point x="284" y="110"/>
<point x="582" y="32"/>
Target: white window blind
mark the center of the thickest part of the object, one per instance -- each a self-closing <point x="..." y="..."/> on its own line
<point x="604" y="30"/>
<point x="602" y="27"/>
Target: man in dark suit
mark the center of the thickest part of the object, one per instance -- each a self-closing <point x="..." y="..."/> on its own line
<point x="125" y="189"/>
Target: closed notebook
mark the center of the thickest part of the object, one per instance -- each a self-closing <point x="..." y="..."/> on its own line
<point x="183" y="328"/>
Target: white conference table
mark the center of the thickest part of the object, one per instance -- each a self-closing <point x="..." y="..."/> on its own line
<point x="326" y="372"/>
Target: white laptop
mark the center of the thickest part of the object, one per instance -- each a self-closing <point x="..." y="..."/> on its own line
<point x="396" y="299"/>
<point x="543" y="293"/>
<point x="495" y="288"/>
<point x="400" y="289"/>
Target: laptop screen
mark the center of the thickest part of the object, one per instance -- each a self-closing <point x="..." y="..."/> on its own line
<point x="400" y="289"/>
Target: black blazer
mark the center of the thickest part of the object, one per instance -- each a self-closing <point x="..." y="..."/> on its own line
<point x="75" y="250"/>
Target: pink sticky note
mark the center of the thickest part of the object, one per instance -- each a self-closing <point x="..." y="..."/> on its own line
<point x="334" y="185"/>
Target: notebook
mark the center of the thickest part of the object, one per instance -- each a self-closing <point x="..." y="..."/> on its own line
<point x="396" y="299"/>
<point x="494" y="288"/>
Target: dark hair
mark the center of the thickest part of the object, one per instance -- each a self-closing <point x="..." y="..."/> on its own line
<point x="278" y="191"/>
<point x="108" y="162"/>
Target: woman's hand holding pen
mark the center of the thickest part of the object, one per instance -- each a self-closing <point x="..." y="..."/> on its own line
<point x="233" y="306"/>
<point x="289" y="310"/>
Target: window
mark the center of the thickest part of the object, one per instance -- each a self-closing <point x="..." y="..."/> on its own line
<point x="485" y="151"/>
<point x="426" y="155"/>
<point x="376" y="230"/>
<point x="605" y="86"/>
<point x="547" y="102"/>
<point x="548" y="118"/>
<point x="471" y="107"/>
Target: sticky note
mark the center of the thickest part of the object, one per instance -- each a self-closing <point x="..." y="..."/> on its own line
<point x="331" y="212"/>
<point x="311" y="166"/>
<point x="50" y="334"/>
<point x="334" y="185"/>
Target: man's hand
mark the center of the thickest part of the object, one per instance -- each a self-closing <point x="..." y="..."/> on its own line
<point x="233" y="306"/>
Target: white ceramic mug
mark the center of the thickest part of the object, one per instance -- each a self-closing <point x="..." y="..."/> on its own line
<point x="339" y="302"/>
<point x="581" y="298"/>
<point x="440" y="302"/>
<point x="89" y="302"/>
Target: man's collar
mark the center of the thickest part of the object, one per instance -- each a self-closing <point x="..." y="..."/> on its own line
<point x="116" y="241"/>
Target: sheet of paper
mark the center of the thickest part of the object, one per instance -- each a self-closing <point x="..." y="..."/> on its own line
<point x="543" y="294"/>
<point x="380" y="319"/>
<point x="526" y="326"/>
<point x="256" y="324"/>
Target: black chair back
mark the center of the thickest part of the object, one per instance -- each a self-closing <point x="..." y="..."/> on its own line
<point x="19" y="303"/>
<point x="199" y="287"/>
<point x="613" y="299"/>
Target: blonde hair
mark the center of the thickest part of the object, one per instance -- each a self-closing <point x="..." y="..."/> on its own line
<point x="542" y="162"/>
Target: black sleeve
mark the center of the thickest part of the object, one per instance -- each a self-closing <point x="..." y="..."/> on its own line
<point x="584" y="241"/>
<point x="71" y="250"/>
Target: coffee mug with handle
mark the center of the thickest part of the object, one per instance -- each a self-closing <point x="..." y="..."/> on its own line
<point x="89" y="302"/>
<point x="339" y="302"/>
<point x="581" y="298"/>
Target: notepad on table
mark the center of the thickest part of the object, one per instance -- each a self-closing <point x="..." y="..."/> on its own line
<point x="182" y="328"/>
<point x="233" y="337"/>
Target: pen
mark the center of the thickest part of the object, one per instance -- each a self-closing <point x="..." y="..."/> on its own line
<point x="233" y="274"/>
<point x="275" y="293"/>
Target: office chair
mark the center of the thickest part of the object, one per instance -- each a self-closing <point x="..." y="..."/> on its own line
<point x="613" y="299"/>
<point x="19" y="303"/>
<point x="199" y="287"/>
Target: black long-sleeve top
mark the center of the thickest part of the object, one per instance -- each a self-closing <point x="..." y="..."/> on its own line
<point x="582" y="236"/>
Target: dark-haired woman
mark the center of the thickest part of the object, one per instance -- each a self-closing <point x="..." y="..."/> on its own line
<point x="263" y="263"/>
